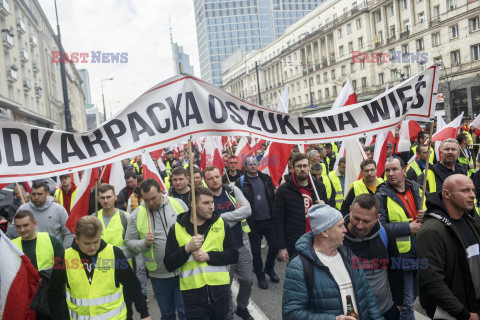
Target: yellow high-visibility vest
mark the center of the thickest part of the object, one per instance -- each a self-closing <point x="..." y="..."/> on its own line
<point x="43" y="250"/>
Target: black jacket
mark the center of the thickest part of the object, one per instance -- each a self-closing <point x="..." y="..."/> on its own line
<point x="124" y="275"/>
<point x="122" y="199"/>
<point x="289" y="211"/>
<point x="460" y="169"/>
<point x="447" y="282"/>
<point x="247" y="191"/>
<point x="176" y="256"/>
<point x="372" y="247"/>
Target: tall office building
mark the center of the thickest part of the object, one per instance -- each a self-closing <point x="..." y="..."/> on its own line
<point x="85" y="85"/>
<point x="224" y="26"/>
<point x="180" y="56"/>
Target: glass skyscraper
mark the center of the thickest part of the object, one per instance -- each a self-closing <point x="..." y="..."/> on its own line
<point x="224" y="26"/>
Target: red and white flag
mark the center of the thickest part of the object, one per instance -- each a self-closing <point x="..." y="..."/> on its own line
<point x="114" y="175"/>
<point x="19" y="284"/>
<point x="354" y="155"/>
<point x="346" y="96"/>
<point x="449" y="131"/>
<point x="211" y="155"/>
<point x="82" y="198"/>
<point x="283" y="102"/>
<point x="380" y="154"/>
<point x="275" y="160"/>
<point x="440" y="125"/>
<point x="476" y="123"/>
<point x="150" y="171"/>
<point x="244" y="150"/>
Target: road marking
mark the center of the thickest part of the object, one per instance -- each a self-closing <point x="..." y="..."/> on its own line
<point x="255" y="311"/>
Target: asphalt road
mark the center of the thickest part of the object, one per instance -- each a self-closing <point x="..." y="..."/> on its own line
<point x="264" y="304"/>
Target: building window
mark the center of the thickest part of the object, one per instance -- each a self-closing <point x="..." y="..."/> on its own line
<point x="352" y="67"/>
<point x="306" y="97"/>
<point x="320" y="95"/>
<point x="436" y="13"/>
<point x="380" y="37"/>
<point x="381" y="78"/>
<point x="294" y="56"/>
<point x="455" y="58"/>
<point x="393" y="75"/>
<point x="299" y="100"/>
<point x="333" y="74"/>
<point x="334" y="90"/>
<point x="390" y="11"/>
<point x="362" y="65"/>
<point x="406" y="71"/>
<point x="340" y="51"/>
<point x="354" y="84"/>
<point x="364" y="82"/>
<point x="325" y="76"/>
<point x="392" y="32"/>
<point x="360" y="43"/>
<point x="451" y="5"/>
<point x="476" y="52"/>
<point x="406" y="24"/>
<point x="298" y="86"/>
<point x="421" y="17"/>
<point x="318" y="79"/>
<point x="350" y="46"/>
<point x="420" y="45"/>
<point x="405" y="4"/>
<point x="313" y="96"/>
<point x="454" y="31"/>
<point x="404" y="49"/>
<point x="327" y="93"/>
<point x="436" y="39"/>
<point x="473" y="24"/>
<point x="339" y="33"/>
<point x="359" y="23"/>
<point x="379" y="16"/>
<point x="344" y="70"/>
<point x="349" y="28"/>
<point x="304" y="84"/>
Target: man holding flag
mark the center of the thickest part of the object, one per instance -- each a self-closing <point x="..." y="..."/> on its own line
<point x="417" y="167"/>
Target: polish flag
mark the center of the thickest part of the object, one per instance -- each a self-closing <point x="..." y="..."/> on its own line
<point x="354" y="155"/>
<point x="476" y="123"/>
<point x="380" y="154"/>
<point x="157" y="154"/>
<point x="82" y="198"/>
<point x="440" y="125"/>
<point x="449" y="131"/>
<point x="20" y="281"/>
<point x="275" y="160"/>
<point x="258" y="145"/>
<point x="150" y="170"/>
<point x="346" y="97"/>
<point x="114" y="175"/>
<point x="211" y="155"/>
<point x="3" y="185"/>
<point x="243" y="151"/>
<point x="283" y="103"/>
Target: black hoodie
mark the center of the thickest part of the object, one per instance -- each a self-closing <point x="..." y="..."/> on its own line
<point x="124" y="274"/>
<point x="447" y="281"/>
<point x="176" y="256"/>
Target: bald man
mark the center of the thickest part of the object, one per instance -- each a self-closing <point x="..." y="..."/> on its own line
<point x="448" y="249"/>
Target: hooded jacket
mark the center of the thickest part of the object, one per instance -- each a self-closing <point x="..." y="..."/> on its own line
<point x="447" y="282"/>
<point x="51" y="218"/>
<point x="386" y="282"/>
<point x="289" y="211"/>
<point x="400" y="229"/>
<point x="327" y="302"/>
<point x="123" y="275"/>
<point x="176" y="256"/>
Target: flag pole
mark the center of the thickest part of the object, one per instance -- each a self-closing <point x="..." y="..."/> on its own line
<point x="424" y="187"/>
<point x="192" y="187"/>
<point x="21" y="194"/>
<point x="96" y="186"/>
<point x="149" y="216"/>
<point x="225" y="171"/>
<point x="313" y="185"/>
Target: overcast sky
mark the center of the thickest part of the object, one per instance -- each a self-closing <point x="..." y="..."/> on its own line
<point x="140" y="28"/>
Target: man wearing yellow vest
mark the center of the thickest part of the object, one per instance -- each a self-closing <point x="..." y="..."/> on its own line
<point x="416" y="168"/>
<point x="66" y="193"/>
<point x="368" y="184"/>
<point x="114" y="225"/>
<point x="90" y="279"/>
<point x="317" y="172"/>
<point x="402" y="212"/>
<point x="314" y="156"/>
<point x="421" y="139"/>
<point x="163" y="211"/>
<point x="337" y="177"/>
<point x="466" y="157"/>
<point x="234" y="209"/>
<point x="203" y="260"/>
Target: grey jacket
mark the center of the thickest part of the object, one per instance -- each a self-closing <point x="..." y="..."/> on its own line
<point x="51" y="218"/>
<point x="245" y="211"/>
<point x="162" y="220"/>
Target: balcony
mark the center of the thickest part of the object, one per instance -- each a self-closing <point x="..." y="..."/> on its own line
<point x="24" y="55"/>
<point x="4" y="8"/>
<point x="21" y="26"/>
<point x="38" y="91"/>
<point x="35" y="66"/>
<point x="404" y="35"/>
<point x="435" y="21"/>
<point x="27" y="85"/>
<point x="392" y="38"/>
<point x="7" y="40"/>
<point x="324" y="62"/>
<point x="33" y="41"/>
<point x="12" y="75"/>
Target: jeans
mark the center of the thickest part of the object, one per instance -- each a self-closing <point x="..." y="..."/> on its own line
<point x="141" y="271"/>
<point x="243" y="270"/>
<point x="217" y="310"/>
<point x="410" y="279"/>
<point x="169" y="297"/>
<point x="260" y="229"/>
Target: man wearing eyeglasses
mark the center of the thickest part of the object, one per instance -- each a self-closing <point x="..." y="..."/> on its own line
<point x="291" y="204"/>
<point x="233" y="173"/>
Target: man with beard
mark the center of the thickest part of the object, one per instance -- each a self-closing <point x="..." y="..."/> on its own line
<point x="447" y="166"/>
<point x="290" y="207"/>
<point x="124" y="194"/>
<point x="368" y="184"/>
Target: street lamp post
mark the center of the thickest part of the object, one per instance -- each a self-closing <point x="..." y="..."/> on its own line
<point x="68" y="115"/>
<point x="103" y="98"/>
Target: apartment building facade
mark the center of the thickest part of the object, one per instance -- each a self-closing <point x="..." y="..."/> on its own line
<point x="30" y="83"/>
<point x="374" y="44"/>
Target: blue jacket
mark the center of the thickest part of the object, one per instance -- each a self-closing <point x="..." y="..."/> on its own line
<point x="327" y="303"/>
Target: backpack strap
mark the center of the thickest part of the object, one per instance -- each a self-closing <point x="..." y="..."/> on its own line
<point x="383" y="236"/>
<point x="308" y="276"/>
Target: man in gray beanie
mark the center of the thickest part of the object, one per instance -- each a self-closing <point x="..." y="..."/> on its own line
<point x="321" y="280"/>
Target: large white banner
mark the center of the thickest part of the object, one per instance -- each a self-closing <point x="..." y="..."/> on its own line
<point x="184" y="107"/>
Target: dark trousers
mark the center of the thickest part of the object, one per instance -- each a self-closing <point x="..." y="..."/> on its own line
<point x="204" y="311"/>
<point x="260" y="229"/>
<point x="392" y="314"/>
